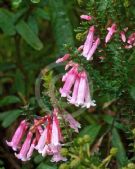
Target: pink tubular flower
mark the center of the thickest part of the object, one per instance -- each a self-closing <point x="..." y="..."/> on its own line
<point x="88" y="42"/>
<point x="80" y="96"/>
<point x="81" y="89"/>
<point x="86" y="17"/>
<point x="32" y="147"/>
<point x="56" y="131"/>
<point x="131" y="39"/>
<point x="72" y="99"/>
<point x="72" y="122"/>
<point x="64" y="58"/>
<point x="25" y="148"/>
<point x="93" y="49"/>
<point x="123" y="36"/>
<point x="111" y="31"/>
<point x="64" y="77"/>
<point x="40" y="130"/>
<point x="69" y="81"/>
<point x="42" y="141"/>
<point x="55" y="140"/>
<point x="18" y="135"/>
<point x="88" y="102"/>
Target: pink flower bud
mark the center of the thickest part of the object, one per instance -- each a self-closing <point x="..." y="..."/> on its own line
<point x="123" y="36"/>
<point x="111" y="31"/>
<point x="131" y="39"/>
<point x="86" y="17"/>
<point x="80" y="48"/>
<point x="64" y="58"/>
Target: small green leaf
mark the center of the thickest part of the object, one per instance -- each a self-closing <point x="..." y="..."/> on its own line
<point x="9" y="100"/>
<point x="92" y="131"/>
<point x="35" y="1"/>
<point x="10" y="117"/>
<point x="109" y="119"/>
<point x="61" y="24"/>
<point x="19" y="82"/>
<point x="42" y="13"/>
<point x="33" y="24"/>
<point x="19" y="14"/>
<point x="7" y="66"/>
<point x="103" y="5"/>
<point x="29" y="35"/>
<point x="121" y="154"/>
<point x="3" y="115"/>
<point x="38" y="159"/>
<point x="16" y="3"/>
<point x="7" y="22"/>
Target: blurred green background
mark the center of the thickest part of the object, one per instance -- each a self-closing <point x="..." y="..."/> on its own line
<point x="32" y="35"/>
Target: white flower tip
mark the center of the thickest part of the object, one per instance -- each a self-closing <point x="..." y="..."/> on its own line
<point x="9" y="143"/>
<point x="63" y="94"/>
<point x="36" y="147"/>
<point x="21" y="157"/>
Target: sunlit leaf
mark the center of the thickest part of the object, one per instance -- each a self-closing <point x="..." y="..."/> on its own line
<point x="121" y="154"/>
<point x="19" y="82"/>
<point x="10" y="116"/>
<point x="92" y="131"/>
<point x="42" y="13"/>
<point x="7" y="22"/>
<point x="29" y="35"/>
<point x="32" y="22"/>
<point x="35" y="1"/>
<point x="61" y="24"/>
<point x="9" y="100"/>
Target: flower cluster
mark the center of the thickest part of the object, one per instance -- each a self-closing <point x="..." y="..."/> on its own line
<point x="45" y="136"/>
<point x="78" y="81"/>
<point x="76" y="86"/>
